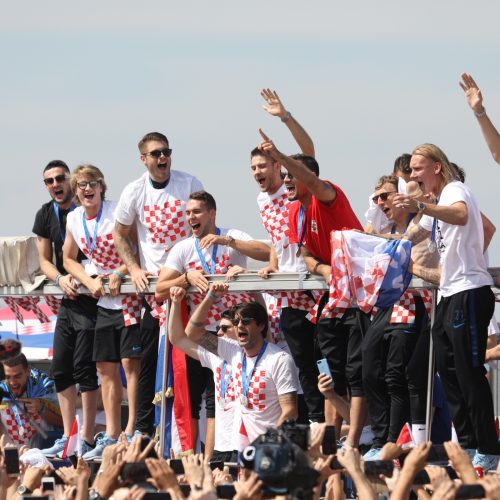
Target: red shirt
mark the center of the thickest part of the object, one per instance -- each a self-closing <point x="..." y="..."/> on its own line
<point x="321" y="219"/>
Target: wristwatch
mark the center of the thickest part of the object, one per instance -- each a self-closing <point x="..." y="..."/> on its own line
<point x="95" y="495"/>
<point x="23" y="490"/>
<point x="420" y="206"/>
<point x="230" y="240"/>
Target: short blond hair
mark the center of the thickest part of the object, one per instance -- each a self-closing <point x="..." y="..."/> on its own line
<point x="90" y="171"/>
<point x="432" y="152"/>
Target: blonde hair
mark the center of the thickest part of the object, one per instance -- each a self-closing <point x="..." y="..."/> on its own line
<point x="432" y="152"/>
<point x="90" y="171"/>
<point x="388" y="179"/>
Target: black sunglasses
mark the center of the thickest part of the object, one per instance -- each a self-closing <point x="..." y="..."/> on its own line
<point x="382" y="196"/>
<point x="224" y="328"/>
<point x="245" y="321"/>
<point x="285" y="173"/>
<point x="59" y="178"/>
<point x="156" y="153"/>
<point x="84" y="184"/>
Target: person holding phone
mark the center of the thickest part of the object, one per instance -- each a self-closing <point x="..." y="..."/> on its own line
<point x="31" y="402"/>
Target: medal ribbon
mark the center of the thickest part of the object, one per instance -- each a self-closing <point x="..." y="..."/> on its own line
<point x="301" y="230"/>
<point x="224" y="382"/>
<point x="434" y="225"/>
<point x="62" y="229"/>
<point x="245" y="380"/>
<point x="212" y="268"/>
<point x="91" y="246"/>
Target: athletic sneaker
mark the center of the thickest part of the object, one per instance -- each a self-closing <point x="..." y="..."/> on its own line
<point x="131" y="437"/>
<point x="372" y="454"/>
<point x="486" y="462"/>
<point x="102" y="441"/>
<point x="57" y="448"/>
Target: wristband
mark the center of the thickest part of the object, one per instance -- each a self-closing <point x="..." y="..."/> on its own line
<point x="287" y="116"/>
<point x="58" y="278"/>
<point x="119" y="274"/>
<point x="315" y="270"/>
<point x="186" y="278"/>
<point x="212" y="296"/>
<point x="480" y="115"/>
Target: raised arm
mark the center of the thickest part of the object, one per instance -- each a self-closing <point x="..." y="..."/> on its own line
<point x="275" y="107"/>
<point x="475" y="101"/>
<point x="251" y="248"/>
<point x="322" y="190"/>
<point x="121" y="236"/>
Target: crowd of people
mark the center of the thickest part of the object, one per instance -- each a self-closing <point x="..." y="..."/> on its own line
<point x="252" y="358"/>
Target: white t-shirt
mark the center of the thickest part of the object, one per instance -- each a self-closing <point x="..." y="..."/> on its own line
<point x="160" y="213"/>
<point x="274" y="213"/>
<point x="274" y="375"/>
<point x="461" y="247"/>
<point x="225" y="419"/>
<point x="184" y="257"/>
<point x="104" y="257"/>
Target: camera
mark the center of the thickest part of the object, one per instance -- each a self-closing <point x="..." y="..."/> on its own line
<point x="281" y="464"/>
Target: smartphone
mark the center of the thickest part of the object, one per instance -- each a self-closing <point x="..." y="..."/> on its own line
<point x="226" y="491"/>
<point x="11" y="461"/>
<point x="323" y="367"/>
<point x="438" y="453"/>
<point x="470" y="491"/>
<point x="176" y="465"/>
<point x="329" y="443"/>
<point x="373" y="468"/>
<point x="217" y="464"/>
<point x="185" y="489"/>
<point x="335" y="464"/>
<point x="135" y="472"/>
<point x="48" y="484"/>
<point x="156" y="495"/>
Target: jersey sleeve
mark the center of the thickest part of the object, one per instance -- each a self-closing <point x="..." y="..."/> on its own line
<point x="207" y="359"/>
<point x="285" y="374"/>
<point x="126" y="211"/>
<point x="40" y="226"/>
<point x="239" y="235"/>
<point x="176" y="258"/>
<point x="228" y="350"/>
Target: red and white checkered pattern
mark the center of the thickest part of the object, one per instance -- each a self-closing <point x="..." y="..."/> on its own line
<point x="53" y="302"/>
<point x="230" y="395"/>
<point x="256" y="388"/>
<point x="12" y="427"/>
<point x="13" y="306"/>
<point x="104" y="254"/>
<point x="404" y="310"/>
<point x="275" y="218"/>
<point x="132" y="306"/>
<point x="274" y="316"/>
<point x="165" y="223"/>
<point x="427" y="300"/>
<point x="30" y="303"/>
<point x="158" y="309"/>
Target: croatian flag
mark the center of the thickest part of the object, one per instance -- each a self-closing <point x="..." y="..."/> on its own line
<point x="74" y="443"/>
<point x="178" y="424"/>
<point x="367" y="271"/>
<point x="405" y="438"/>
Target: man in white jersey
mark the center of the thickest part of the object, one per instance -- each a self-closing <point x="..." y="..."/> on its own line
<point x="155" y="203"/>
<point x="461" y="325"/>
<point x="265" y="378"/>
<point x="116" y="338"/>
<point x="291" y="307"/>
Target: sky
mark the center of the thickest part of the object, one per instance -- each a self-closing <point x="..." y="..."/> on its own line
<point x="83" y="82"/>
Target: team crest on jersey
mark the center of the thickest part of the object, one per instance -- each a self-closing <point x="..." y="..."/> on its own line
<point x="314" y="226"/>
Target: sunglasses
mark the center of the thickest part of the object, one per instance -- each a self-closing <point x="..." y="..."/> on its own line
<point x="58" y="178"/>
<point x="245" y="321"/>
<point x="382" y="196"/>
<point x="156" y="153"/>
<point x="284" y="174"/>
<point x="84" y="184"/>
<point x="224" y="328"/>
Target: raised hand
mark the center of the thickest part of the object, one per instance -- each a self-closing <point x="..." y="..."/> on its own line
<point x="177" y="293"/>
<point x="267" y="146"/>
<point x="162" y="476"/>
<point x="472" y="93"/>
<point x="218" y="288"/>
<point x="274" y="105"/>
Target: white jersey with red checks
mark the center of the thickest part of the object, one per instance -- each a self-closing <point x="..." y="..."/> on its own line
<point x="160" y="214"/>
<point x="274" y="213"/>
<point x="274" y="375"/>
<point x="104" y="258"/>
<point x="225" y="419"/>
<point x="184" y="257"/>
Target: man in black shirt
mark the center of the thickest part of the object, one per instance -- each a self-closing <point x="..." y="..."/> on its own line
<point x="73" y="337"/>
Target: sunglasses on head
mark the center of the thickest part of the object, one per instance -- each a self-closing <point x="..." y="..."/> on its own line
<point x="224" y="328"/>
<point x="156" y="153"/>
<point x="382" y="196"/>
<point x="59" y="178"/>
<point x="84" y="184"/>
<point x="245" y="321"/>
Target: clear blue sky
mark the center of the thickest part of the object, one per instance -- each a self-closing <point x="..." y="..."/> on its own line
<point x="369" y="81"/>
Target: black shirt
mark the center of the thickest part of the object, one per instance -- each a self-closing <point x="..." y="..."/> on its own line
<point x="48" y="226"/>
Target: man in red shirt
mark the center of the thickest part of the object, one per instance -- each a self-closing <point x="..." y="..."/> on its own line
<point x="321" y="207"/>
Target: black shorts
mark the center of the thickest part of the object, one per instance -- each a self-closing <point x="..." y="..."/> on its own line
<point x="113" y="340"/>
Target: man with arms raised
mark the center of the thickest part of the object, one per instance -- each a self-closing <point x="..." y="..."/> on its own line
<point x="292" y="307"/>
<point x="155" y="203"/>
<point x="460" y="328"/>
<point x="72" y="359"/>
<point x="323" y="207"/>
<point x="265" y="380"/>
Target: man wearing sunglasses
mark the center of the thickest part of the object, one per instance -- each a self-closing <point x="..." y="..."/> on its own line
<point x="265" y="389"/>
<point x="322" y="208"/>
<point x="154" y="207"/>
<point x="291" y="308"/>
<point x="69" y="365"/>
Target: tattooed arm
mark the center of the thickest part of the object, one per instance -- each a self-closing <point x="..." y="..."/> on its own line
<point x="416" y="233"/>
<point x="289" y="410"/>
<point x="426" y="273"/>
<point x="121" y="236"/>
